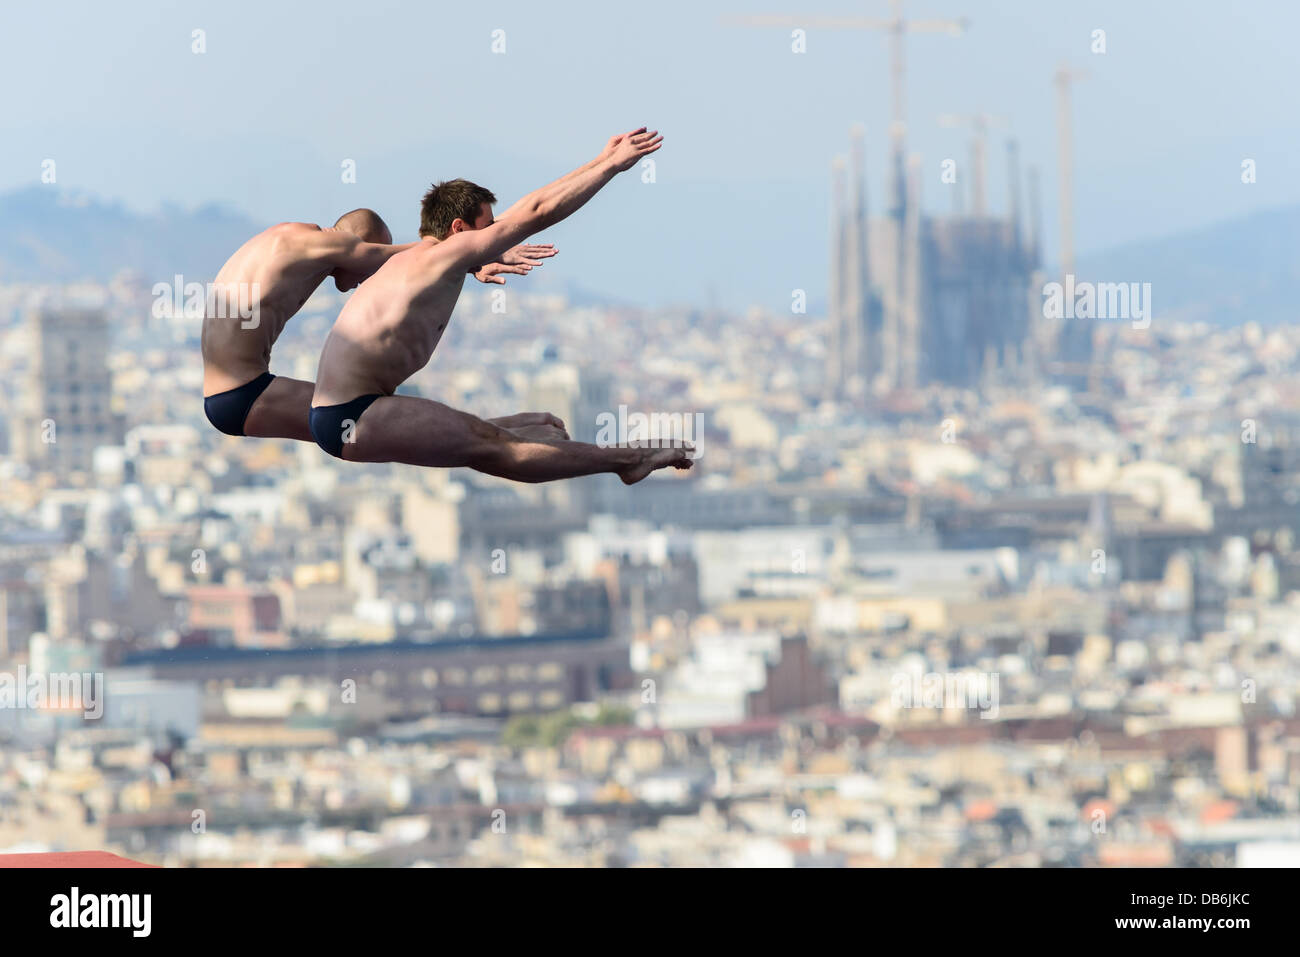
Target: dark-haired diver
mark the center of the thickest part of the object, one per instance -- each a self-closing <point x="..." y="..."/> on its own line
<point x="389" y="330"/>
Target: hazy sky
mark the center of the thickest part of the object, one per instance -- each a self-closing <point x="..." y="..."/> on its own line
<point x="412" y="92"/>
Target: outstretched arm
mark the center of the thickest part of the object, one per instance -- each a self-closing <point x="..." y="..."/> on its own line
<point x="607" y="152"/>
<point x="549" y="205"/>
<point x="345" y="251"/>
<point x="519" y="260"/>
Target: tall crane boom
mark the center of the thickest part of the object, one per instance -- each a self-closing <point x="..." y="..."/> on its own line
<point x="896" y="26"/>
<point x="1063" y="79"/>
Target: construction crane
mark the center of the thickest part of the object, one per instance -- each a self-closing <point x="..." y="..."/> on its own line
<point x="1064" y="78"/>
<point x="896" y="26"/>
<point x="979" y="124"/>
<point x="900" y="321"/>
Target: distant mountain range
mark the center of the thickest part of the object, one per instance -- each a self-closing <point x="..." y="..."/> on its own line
<point x="1227" y="273"/>
<point x="51" y="236"/>
<point x="47" y="235"/>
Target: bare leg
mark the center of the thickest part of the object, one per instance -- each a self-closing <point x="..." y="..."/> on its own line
<point x="281" y="411"/>
<point x="413" y="431"/>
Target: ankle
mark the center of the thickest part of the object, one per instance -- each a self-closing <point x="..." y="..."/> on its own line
<point x="627" y="457"/>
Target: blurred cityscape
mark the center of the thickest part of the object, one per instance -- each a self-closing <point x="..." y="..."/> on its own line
<point x="985" y="563"/>
<point x="1038" y="613"/>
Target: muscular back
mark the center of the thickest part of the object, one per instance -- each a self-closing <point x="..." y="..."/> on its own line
<point x="276" y="267"/>
<point x="390" y="328"/>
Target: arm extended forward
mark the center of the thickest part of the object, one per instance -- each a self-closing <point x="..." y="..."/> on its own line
<point x="554" y="202"/>
<point x="345" y="251"/>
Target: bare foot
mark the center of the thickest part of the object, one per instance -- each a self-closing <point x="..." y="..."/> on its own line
<point x="653" y="459"/>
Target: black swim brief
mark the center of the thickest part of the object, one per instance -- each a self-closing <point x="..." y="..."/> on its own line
<point x="328" y="422"/>
<point x="228" y="410"/>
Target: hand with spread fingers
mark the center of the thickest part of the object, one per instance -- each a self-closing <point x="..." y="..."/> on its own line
<point x="626" y="149"/>
<point x="518" y="261"/>
<point x="529" y="254"/>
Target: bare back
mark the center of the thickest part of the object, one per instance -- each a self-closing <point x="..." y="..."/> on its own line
<point x="274" y="272"/>
<point x="390" y="328"/>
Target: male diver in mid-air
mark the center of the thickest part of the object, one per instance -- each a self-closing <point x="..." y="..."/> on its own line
<point x="274" y="273"/>
<point x="389" y="329"/>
